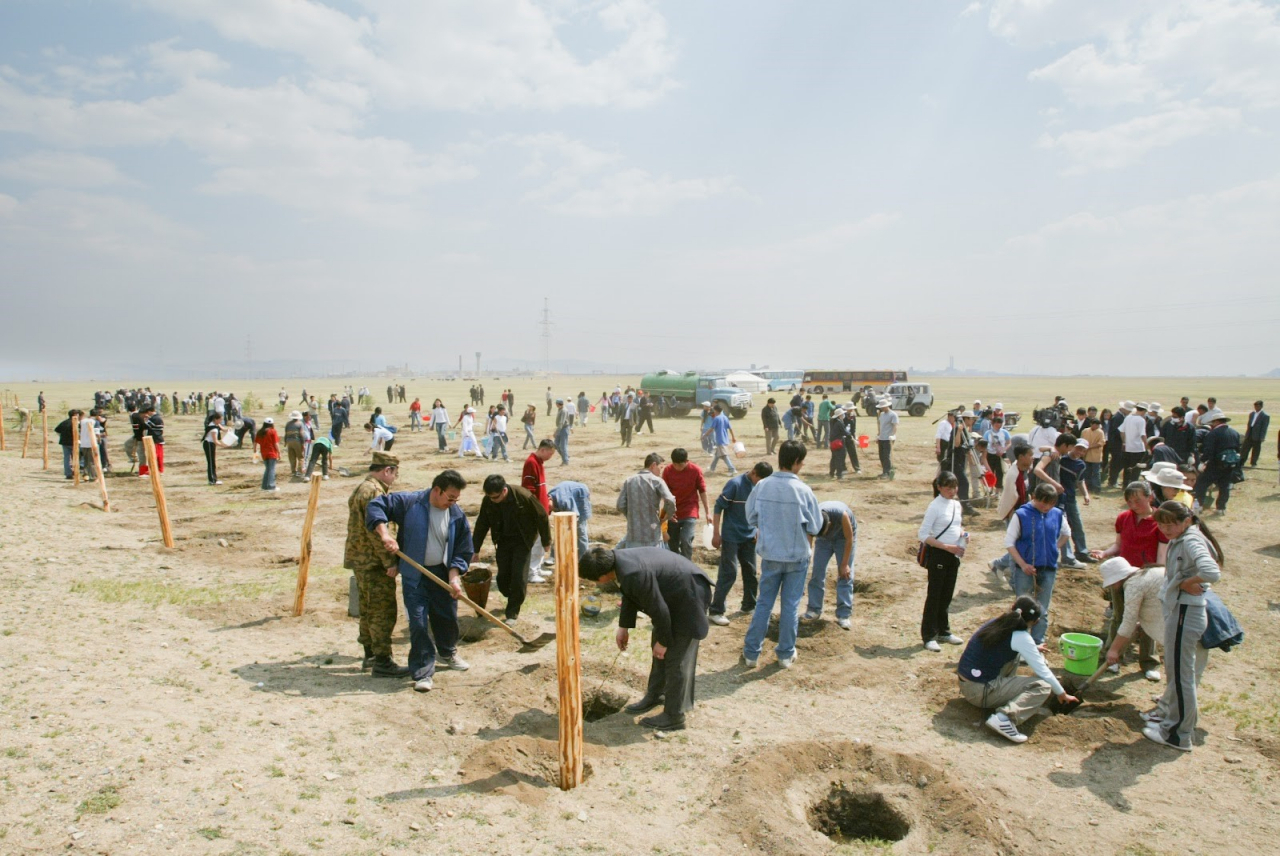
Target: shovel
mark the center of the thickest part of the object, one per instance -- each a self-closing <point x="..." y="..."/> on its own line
<point x="528" y="646"/>
<point x="1067" y="707"/>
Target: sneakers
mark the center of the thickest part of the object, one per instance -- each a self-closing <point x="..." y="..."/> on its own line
<point x="1073" y="563"/>
<point x="455" y="662"/>
<point x="1153" y="733"/>
<point x="1002" y="725"/>
<point x="932" y="645"/>
<point x="537" y="578"/>
<point x="749" y="662"/>
<point x="1086" y="558"/>
<point x="810" y="615"/>
<point x="787" y="662"/>
<point x="1153" y="715"/>
<point x="844" y="623"/>
<point x="718" y="620"/>
<point x="423" y="686"/>
<point x="1152" y="674"/>
<point x="951" y="639"/>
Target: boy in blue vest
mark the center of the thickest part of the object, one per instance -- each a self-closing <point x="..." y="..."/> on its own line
<point x="1036" y="533"/>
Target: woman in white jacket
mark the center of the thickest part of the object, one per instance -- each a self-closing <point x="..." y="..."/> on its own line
<point x="1191" y="565"/>
<point x="942" y="533"/>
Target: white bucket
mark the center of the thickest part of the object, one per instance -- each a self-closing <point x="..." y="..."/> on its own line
<point x="739" y="448"/>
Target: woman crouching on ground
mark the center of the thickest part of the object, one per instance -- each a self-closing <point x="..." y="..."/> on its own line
<point x="989" y="676"/>
<point x="1190" y="565"/>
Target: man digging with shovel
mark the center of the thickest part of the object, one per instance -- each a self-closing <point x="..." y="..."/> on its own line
<point x="435" y="534"/>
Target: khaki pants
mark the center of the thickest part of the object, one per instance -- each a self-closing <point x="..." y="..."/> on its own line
<point x="1018" y="697"/>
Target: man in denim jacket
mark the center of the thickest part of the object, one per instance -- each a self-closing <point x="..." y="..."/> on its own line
<point x="785" y="513"/>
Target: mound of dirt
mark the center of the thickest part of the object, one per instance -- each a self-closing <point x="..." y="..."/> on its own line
<point x="526" y="768"/>
<point x="846" y="792"/>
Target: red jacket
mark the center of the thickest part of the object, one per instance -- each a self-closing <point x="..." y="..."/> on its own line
<point x="269" y="444"/>
<point x="534" y="479"/>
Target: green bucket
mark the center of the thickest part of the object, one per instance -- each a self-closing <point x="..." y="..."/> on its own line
<point x="1080" y="653"/>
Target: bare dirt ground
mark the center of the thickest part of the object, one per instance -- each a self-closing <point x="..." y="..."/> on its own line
<point x="166" y="700"/>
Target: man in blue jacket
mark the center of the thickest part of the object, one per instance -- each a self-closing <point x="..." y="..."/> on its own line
<point x="433" y="532"/>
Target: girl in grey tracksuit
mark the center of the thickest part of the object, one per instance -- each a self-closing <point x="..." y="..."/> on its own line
<point x="1191" y="565"/>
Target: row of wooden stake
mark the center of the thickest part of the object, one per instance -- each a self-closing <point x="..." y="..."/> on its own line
<point x="568" y="663"/>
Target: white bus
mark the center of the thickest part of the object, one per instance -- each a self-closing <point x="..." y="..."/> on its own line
<point x="781" y="378"/>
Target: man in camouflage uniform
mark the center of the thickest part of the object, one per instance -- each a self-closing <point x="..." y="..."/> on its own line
<point x="374" y="570"/>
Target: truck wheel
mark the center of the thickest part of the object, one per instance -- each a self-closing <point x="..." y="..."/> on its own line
<point x="738" y="413"/>
<point x="818" y="390"/>
<point x="681" y="411"/>
<point x="917" y="409"/>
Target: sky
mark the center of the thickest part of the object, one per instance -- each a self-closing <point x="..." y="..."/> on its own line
<point x="1031" y="186"/>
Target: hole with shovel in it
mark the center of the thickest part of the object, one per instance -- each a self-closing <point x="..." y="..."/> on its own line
<point x="857" y="815"/>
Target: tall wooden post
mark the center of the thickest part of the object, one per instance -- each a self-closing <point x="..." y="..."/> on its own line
<point x="568" y="662"/>
<point x="44" y="429"/>
<point x="157" y="489"/>
<point x="102" y="479"/>
<point x="26" y="437"/>
<point x="304" y="557"/>
<point x="2" y="443"/>
<point x="75" y="450"/>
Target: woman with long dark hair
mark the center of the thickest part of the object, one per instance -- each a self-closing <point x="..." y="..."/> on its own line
<point x="1191" y="565"/>
<point x="989" y="676"/>
<point x="942" y="533"/>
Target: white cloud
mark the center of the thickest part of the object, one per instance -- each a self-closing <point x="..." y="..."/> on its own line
<point x="580" y="181"/>
<point x="972" y="9"/>
<point x="184" y="64"/>
<point x="1126" y="143"/>
<point x="472" y="55"/>
<point x="61" y="169"/>
<point x="1156" y="73"/>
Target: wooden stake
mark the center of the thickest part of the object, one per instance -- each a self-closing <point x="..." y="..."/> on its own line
<point x="568" y="662"/>
<point x="304" y="557"/>
<point x="75" y="451"/>
<point x="26" y="438"/>
<point x="44" y="428"/>
<point x="149" y="447"/>
<point x="102" y="479"/>
<point x="2" y="444"/>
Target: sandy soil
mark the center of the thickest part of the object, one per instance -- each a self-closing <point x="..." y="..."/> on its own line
<point x="166" y="700"/>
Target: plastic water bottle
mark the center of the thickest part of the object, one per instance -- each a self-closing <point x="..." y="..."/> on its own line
<point x="964" y="543"/>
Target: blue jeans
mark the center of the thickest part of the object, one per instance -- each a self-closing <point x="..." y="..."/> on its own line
<point x="682" y="532"/>
<point x="66" y="462"/>
<point x="823" y="550"/>
<point x="529" y="439"/>
<point x="423" y="603"/>
<point x="1042" y="585"/>
<point x="731" y="555"/>
<point x="415" y="420"/>
<point x="1092" y="477"/>
<point x="562" y="444"/>
<point x="269" y="473"/>
<point x="1071" y="508"/>
<point x="787" y="579"/>
<point x="498" y="447"/>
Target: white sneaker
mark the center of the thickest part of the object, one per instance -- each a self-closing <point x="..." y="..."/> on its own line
<point x="718" y="620"/>
<point x="1002" y="725"/>
<point x="810" y="615"/>
<point x="951" y="639"/>
<point x="1073" y="564"/>
<point x="932" y="645"/>
<point x="1153" y="733"/>
<point x="787" y="662"/>
<point x="1153" y="715"/>
<point x="1152" y="674"/>
<point x="749" y="663"/>
<point x="844" y="623"/>
<point x="423" y="686"/>
<point x="537" y="578"/>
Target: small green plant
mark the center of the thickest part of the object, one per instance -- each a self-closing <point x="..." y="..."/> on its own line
<point x="106" y="798"/>
<point x="210" y="832"/>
